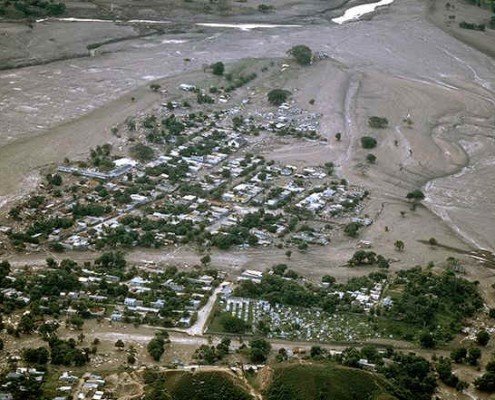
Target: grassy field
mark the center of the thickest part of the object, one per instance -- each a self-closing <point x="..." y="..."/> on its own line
<point x="322" y="382"/>
<point x="204" y="386"/>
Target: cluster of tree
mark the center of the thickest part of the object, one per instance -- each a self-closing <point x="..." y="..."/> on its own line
<point x="142" y="153"/>
<point x="438" y="303"/>
<point x="156" y="346"/>
<point x="100" y="157"/>
<point x="368" y="142"/>
<point x="486" y="382"/>
<point x="210" y="354"/>
<point x="54" y="179"/>
<point x="232" y="324"/>
<point x="472" y="26"/>
<point x="377" y="122"/>
<point x="444" y="370"/>
<point x="218" y="68"/>
<point x="302" y="54"/>
<point x="366" y="257"/>
<point x="352" y="229"/>
<point x="93" y="209"/>
<point x="65" y="352"/>
<point x="412" y="376"/>
<point x="239" y="81"/>
<point x="259" y="349"/>
<point x="31" y="8"/>
<point x="462" y="355"/>
<point x="277" y="97"/>
<point x="279" y="290"/>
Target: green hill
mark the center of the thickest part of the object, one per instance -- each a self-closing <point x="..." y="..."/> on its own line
<point x="205" y="386"/>
<point x="325" y="382"/>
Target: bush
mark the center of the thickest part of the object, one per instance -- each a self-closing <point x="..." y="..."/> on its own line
<point x="302" y="54"/>
<point x="415" y="195"/>
<point x="368" y="142"/>
<point x="277" y="97"/>
<point x="232" y="324"/>
<point x="482" y="338"/>
<point x="427" y="341"/>
<point x="486" y="382"/>
<point x="371" y="158"/>
<point x="352" y="229"/>
<point x="377" y="122"/>
<point x="265" y="8"/>
<point x="218" y="68"/>
<point x="142" y="152"/>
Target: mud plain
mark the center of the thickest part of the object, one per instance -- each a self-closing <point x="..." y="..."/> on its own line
<point x="395" y="64"/>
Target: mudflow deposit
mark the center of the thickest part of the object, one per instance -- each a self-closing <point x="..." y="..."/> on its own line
<point x="66" y="82"/>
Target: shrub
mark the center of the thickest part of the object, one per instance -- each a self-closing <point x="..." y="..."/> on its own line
<point x="302" y="54"/>
<point x="232" y="324"/>
<point x="218" y="68"/>
<point x="482" y="338"/>
<point x="415" y="195"/>
<point x="368" y="142"/>
<point x="371" y="158"/>
<point x="142" y="152"/>
<point x="277" y="97"/>
<point x="377" y="122"/>
<point x="265" y="8"/>
<point x="352" y="229"/>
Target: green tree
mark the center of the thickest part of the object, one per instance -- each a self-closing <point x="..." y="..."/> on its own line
<point x="259" y="350"/>
<point x="302" y="54"/>
<point x="277" y="97"/>
<point x="218" y="68"/>
<point x="368" y="142"/>
<point x="482" y="337"/>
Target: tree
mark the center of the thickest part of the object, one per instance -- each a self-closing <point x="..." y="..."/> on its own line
<point x="302" y="54"/>
<point x="259" y="350"/>
<point x="415" y="195"/>
<point x="288" y="254"/>
<point x="328" y="279"/>
<point x="156" y="347"/>
<point x="37" y="356"/>
<point x="459" y="354"/>
<point x="427" y="340"/>
<point x="399" y="245"/>
<point x="368" y="142"/>
<point x="119" y="344"/>
<point x="316" y="352"/>
<point x="338" y="136"/>
<point x="473" y="356"/>
<point x="486" y="382"/>
<point x="377" y="122"/>
<point x="432" y="241"/>
<point x="277" y="97"/>
<point x="371" y="158"/>
<point x="218" y="68"/>
<point x="205" y="260"/>
<point x="26" y="324"/>
<point x="142" y="152"/>
<point x="352" y="229"/>
<point x="155" y="87"/>
<point x="482" y="337"/>
<point x="232" y="324"/>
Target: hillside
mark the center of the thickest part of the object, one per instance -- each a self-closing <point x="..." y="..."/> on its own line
<point x="205" y="386"/>
<point x="322" y="382"/>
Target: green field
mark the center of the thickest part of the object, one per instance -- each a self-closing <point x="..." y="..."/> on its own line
<point x="205" y="386"/>
<point x="326" y="382"/>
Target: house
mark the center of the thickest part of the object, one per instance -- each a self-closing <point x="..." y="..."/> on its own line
<point x="251" y="275"/>
<point x="130" y="302"/>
